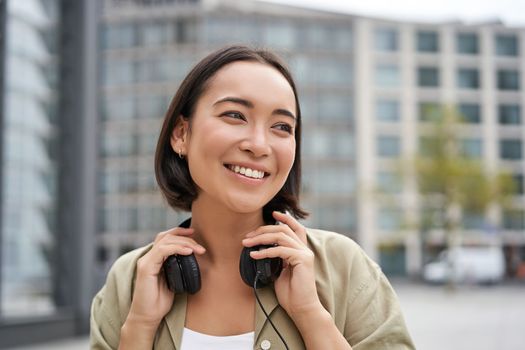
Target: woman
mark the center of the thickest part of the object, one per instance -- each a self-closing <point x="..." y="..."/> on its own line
<point x="229" y="152"/>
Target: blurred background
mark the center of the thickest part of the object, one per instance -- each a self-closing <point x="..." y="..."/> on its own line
<point x="413" y="146"/>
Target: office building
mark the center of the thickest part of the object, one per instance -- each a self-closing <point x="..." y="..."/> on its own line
<point x="364" y="85"/>
<point x="48" y="145"/>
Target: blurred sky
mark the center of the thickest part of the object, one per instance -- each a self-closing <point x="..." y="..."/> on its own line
<point x="511" y="12"/>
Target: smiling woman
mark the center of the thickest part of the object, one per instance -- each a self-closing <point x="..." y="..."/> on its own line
<point x="229" y="152"/>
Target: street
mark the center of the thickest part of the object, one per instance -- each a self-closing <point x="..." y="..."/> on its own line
<point x="471" y="317"/>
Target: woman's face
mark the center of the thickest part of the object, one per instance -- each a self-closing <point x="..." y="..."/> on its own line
<point x="241" y="146"/>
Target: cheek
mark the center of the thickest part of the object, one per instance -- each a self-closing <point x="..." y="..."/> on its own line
<point x="287" y="156"/>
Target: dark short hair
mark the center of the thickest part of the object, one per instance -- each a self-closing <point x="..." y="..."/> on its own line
<point x="172" y="172"/>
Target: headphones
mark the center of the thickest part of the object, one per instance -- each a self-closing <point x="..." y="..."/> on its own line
<point x="183" y="275"/>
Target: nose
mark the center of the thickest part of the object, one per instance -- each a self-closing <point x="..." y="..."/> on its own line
<point x="256" y="142"/>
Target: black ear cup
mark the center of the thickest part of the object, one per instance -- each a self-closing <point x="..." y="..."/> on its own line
<point x="182" y="273"/>
<point x="173" y="274"/>
<point x="191" y="275"/>
<point x="266" y="270"/>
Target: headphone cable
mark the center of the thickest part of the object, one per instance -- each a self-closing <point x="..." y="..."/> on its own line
<point x="264" y="311"/>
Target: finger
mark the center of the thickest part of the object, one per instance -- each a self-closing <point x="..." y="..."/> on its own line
<point x="272" y="238"/>
<point x="151" y="263"/>
<point x="289" y="255"/>
<point x="181" y="231"/>
<point x="288" y="220"/>
<point x="182" y="240"/>
<point x="271" y="229"/>
<point x="292" y="223"/>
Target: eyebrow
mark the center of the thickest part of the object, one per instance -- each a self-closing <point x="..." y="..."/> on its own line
<point x="249" y="104"/>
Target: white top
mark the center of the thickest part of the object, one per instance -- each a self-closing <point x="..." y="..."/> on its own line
<point x="192" y="340"/>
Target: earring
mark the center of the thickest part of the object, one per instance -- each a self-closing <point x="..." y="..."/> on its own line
<point x="180" y="154"/>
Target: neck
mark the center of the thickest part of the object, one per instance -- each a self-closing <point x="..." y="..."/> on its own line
<point x="221" y="230"/>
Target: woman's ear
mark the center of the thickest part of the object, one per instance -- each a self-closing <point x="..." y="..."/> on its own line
<point x="179" y="137"/>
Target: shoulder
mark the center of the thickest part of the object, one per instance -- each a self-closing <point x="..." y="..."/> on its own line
<point x="342" y="266"/>
<point x="337" y="248"/>
<point x="350" y="283"/>
<point x="111" y="304"/>
<point x="123" y="269"/>
<point x="333" y="241"/>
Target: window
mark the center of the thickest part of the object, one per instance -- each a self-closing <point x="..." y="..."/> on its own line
<point x="387" y="75"/>
<point x="388" y="146"/>
<point x="470" y="112"/>
<point x="471" y="148"/>
<point x="429" y="111"/>
<point x="336" y="180"/>
<point x="506" y="45"/>
<point x="509" y="114"/>
<point x="518" y="182"/>
<point x="186" y="29"/>
<point x="428" y="77"/>
<point x="117" y="36"/>
<point x="468" y="78"/>
<point x="473" y="220"/>
<point x="326" y="143"/>
<point x="118" y="107"/>
<point x="327" y="36"/>
<point x="508" y="79"/>
<point x="336" y="216"/>
<point x="333" y="72"/>
<point x="155" y="34"/>
<point x="153" y="70"/>
<point x="387" y="110"/>
<point x="386" y="39"/>
<point x="151" y="106"/>
<point x="147" y="143"/>
<point x="428" y="146"/>
<point x="388" y="182"/>
<point x="427" y="41"/>
<point x="335" y="106"/>
<point x="467" y="43"/>
<point x="510" y="149"/>
<point x="390" y="219"/>
<point x="279" y="35"/>
<point x="118" y="72"/>
<point x="115" y="144"/>
<point x="514" y="219"/>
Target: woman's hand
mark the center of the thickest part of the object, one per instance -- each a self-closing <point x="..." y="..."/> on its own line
<point x="152" y="299"/>
<point x="295" y="288"/>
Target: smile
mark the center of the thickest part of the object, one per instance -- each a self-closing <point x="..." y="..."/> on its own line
<point x="248" y="172"/>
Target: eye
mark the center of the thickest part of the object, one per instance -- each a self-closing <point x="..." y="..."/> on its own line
<point x="284" y="127"/>
<point x="234" y="115"/>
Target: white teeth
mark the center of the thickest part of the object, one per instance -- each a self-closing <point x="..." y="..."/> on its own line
<point x="255" y="174"/>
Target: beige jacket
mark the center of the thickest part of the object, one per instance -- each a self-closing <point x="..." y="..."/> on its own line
<point x="350" y="286"/>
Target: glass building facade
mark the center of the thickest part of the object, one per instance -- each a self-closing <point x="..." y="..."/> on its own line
<point x="29" y="159"/>
<point x="45" y="170"/>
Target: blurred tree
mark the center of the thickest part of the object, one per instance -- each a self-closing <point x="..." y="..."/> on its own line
<point x="450" y="181"/>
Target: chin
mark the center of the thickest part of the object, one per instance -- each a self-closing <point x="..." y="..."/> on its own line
<point x="246" y="206"/>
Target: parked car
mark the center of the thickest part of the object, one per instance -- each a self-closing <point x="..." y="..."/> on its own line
<point x="467" y="265"/>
